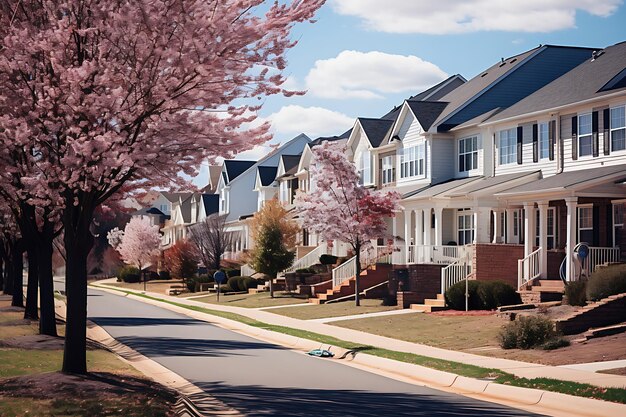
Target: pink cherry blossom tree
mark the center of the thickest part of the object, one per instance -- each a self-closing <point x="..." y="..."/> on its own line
<point x="338" y="208"/>
<point x="109" y="96"/>
<point x="139" y="244"/>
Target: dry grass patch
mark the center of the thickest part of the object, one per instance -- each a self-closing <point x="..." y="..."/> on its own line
<point x="259" y="300"/>
<point x="344" y="308"/>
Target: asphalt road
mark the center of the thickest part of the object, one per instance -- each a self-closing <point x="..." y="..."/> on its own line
<point x="261" y="379"/>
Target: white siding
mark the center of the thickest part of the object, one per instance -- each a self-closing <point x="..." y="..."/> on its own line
<point x="546" y="166"/>
<point x="442" y="168"/>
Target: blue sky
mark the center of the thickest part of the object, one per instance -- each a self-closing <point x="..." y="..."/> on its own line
<point x="362" y="57"/>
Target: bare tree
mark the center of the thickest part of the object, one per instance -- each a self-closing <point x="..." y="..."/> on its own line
<point x="211" y="239"/>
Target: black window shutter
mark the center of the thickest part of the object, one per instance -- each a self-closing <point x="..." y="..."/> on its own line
<point x="535" y="143"/>
<point x="552" y="137"/>
<point x="575" y="138"/>
<point x="594" y="134"/>
<point x="606" y="137"/>
<point x="596" y="226"/>
<point x="520" y="142"/>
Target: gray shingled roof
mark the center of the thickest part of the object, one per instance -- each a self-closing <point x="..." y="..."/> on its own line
<point x="174" y="197"/>
<point x="235" y="167"/>
<point x="290" y="163"/>
<point x="267" y="175"/>
<point x="582" y="83"/>
<point x="567" y="180"/>
<point x="489" y="182"/>
<point x="426" y="111"/>
<point x="375" y="129"/>
<point x="211" y="203"/>
<point x="438" y="189"/>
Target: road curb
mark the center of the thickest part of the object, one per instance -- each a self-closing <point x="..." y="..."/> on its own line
<point x="507" y="394"/>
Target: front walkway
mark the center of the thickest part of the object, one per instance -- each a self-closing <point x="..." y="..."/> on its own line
<point x="518" y="368"/>
<point x="366" y="315"/>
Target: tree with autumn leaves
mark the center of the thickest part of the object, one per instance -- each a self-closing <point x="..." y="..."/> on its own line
<point x="108" y="97"/>
<point x="339" y="208"/>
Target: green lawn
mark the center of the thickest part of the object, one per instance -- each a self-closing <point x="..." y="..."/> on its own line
<point x="448" y="332"/>
<point x="344" y="308"/>
<point x="259" y="300"/>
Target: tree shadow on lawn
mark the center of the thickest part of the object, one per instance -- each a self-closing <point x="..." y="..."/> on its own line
<point x="300" y="402"/>
<point x="168" y="346"/>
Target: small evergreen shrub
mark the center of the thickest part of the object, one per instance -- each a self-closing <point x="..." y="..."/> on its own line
<point x="200" y="279"/>
<point x="164" y="275"/>
<point x="455" y="296"/>
<point x="607" y="281"/>
<point x="231" y="272"/>
<point x="237" y="284"/>
<point x="527" y="332"/>
<point x="576" y="293"/>
<point x="483" y="295"/>
<point x="328" y="259"/>
<point x="129" y="274"/>
<point x="555" y="343"/>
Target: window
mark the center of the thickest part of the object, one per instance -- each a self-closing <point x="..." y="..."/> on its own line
<point x="388" y="171"/>
<point x="585" y="140"/>
<point x="544" y="141"/>
<point x="468" y="154"/>
<point x="284" y="191"/>
<point x="585" y="224"/>
<point x="619" y="210"/>
<point x="365" y="168"/>
<point x="465" y="227"/>
<point x="551" y="228"/>
<point x="618" y="128"/>
<point x="163" y="208"/>
<point x="412" y="161"/>
<point x="508" y="146"/>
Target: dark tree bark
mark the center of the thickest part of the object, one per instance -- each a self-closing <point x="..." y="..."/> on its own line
<point x="32" y="292"/>
<point x="47" y="323"/>
<point x="78" y="242"/>
<point x="18" y="274"/>
<point x="8" y="268"/>
<point x="1" y="266"/>
<point x="357" y="277"/>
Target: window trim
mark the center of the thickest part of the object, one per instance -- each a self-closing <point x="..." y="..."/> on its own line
<point x="588" y="135"/>
<point x="465" y="213"/>
<point x="511" y="138"/>
<point x="612" y="129"/>
<point x="578" y="218"/>
<point x="545" y="123"/>
<point x="363" y="170"/>
<point x="472" y="138"/>
<point x="387" y="170"/>
<point x="412" y="159"/>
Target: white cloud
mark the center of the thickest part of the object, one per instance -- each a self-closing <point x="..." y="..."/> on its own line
<point x="367" y="75"/>
<point x="462" y="16"/>
<point x="292" y="120"/>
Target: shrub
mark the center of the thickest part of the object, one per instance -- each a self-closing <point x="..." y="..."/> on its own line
<point x="527" y="332"/>
<point x="129" y="274"/>
<point x="152" y="275"/>
<point x="237" y="284"/>
<point x="164" y="275"/>
<point x="231" y="272"/>
<point x="483" y="295"/>
<point x="607" y="281"/>
<point x="328" y="259"/>
<point x="576" y="293"/>
<point x="555" y="343"/>
<point x="389" y="300"/>
<point x="305" y="271"/>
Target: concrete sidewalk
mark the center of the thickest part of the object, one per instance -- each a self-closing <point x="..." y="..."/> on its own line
<point x="518" y="368"/>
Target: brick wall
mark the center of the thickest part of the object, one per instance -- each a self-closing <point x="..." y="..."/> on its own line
<point x="554" y="263"/>
<point x="424" y="281"/>
<point x="497" y="262"/>
<point x="406" y="298"/>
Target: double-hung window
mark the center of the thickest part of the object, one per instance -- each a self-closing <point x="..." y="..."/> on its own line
<point x="412" y="161"/>
<point x="365" y="168"/>
<point x="544" y="141"/>
<point x="550" y="226"/>
<point x="585" y="224"/>
<point x="618" y="128"/>
<point x="465" y="227"/>
<point x="468" y="154"/>
<point x="585" y="139"/>
<point x="508" y="146"/>
<point x="387" y="170"/>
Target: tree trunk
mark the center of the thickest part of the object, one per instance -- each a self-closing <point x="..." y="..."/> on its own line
<point x="32" y="292"/>
<point x="357" y="298"/>
<point x="1" y="270"/>
<point x="8" y="270"/>
<point x="18" y="275"/>
<point x="47" y="323"/>
<point x="78" y="242"/>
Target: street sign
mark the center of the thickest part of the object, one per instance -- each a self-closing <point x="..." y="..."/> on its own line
<point x="219" y="278"/>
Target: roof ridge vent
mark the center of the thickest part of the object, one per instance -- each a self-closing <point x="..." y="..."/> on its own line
<point x="596" y="54"/>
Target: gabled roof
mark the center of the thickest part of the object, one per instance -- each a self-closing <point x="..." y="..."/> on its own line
<point x="439" y="90"/>
<point x="211" y="203"/>
<point x="266" y="175"/>
<point x="174" y="197"/>
<point x="593" y="78"/>
<point x="185" y="208"/>
<point x="426" y="111"/>
<point x="147" y="211"/>
<point x="214" y="178"/>
<point x="234" y="168"/>
<point x="375" y="129"/>
<point x="321" y="139"/>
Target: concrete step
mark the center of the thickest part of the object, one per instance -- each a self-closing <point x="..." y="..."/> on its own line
<point x="441" y="297"/>
<point x="435" y="302"/>
<point x="427" y="308"/>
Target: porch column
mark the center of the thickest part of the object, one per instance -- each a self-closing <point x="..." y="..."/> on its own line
<point x="419" y="227"/>
<point x="427" y="228"/>
<point x="571" y="203"/>
<point x="509" y="226"/>
<point x="394" y="228"/>
<point x="407" y="234"/>
<point x="438" y="226"/>
<point x="481" y="224"/>
<point x="543" y="238"/>
<point x="497" y="233"/>
<point x="529" y="228"/>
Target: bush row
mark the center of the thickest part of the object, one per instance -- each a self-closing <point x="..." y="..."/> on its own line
<point x="604" y="282"/>
<point x="483" y="295"/>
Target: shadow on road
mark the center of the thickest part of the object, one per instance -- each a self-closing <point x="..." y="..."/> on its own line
<point x="169" y="346"/>
<point x="141" y="321"/>
<point x="265" y="401"/>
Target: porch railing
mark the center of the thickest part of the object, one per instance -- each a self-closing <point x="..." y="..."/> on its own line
<point x="528" y="268"/>
<point x="600" y="256"/>
<point x="247" y="270"/>
<point x="459" y="270"/>
<point x="309" y="259"/>
<point x="344" y="271"/>
<point x="436" y="254"/>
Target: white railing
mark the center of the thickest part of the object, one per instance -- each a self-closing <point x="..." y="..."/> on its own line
<point x="247" y="271"/>
<point x="600" y="256"/>
<point x="434" y="254"/>
<point x="528" y="268"/>
<point x="344" y="271"/>
<point x="309" y="259"/>
<point x="459" y="270"/>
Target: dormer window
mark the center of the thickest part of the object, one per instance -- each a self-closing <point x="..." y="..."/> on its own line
<point x="585" y="138"/>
